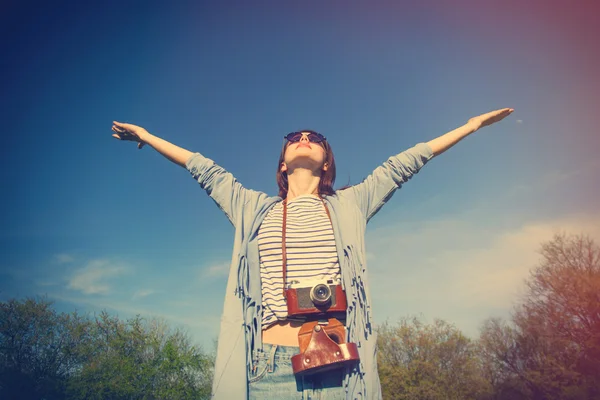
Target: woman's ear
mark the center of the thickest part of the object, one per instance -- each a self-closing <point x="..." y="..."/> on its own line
<point x="325" y="167"/>
<point x="283" y="167"/>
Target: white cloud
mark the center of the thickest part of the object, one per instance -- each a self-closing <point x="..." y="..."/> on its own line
<point x="552" y="179"/>
<point x="46" y="283"/>
<point x="142" y="293"/>
<point x="202" y="327"/>
<point x="215" y="270"/>
<point x="459" y="270"/>
<point x="63" y="258"/>
<point x="95" y="276"/>
<point x="370" y="256"/>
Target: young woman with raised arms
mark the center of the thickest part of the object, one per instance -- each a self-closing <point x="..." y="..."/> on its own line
<point x="309" y="233"/>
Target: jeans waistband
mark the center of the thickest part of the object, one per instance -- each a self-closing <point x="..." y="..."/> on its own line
<point x="275" y="351"/>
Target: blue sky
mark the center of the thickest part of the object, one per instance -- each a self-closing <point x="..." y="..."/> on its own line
<point x="93" y="223"/>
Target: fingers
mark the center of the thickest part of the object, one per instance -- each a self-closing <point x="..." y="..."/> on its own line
<point x="120" y="124"/>
<point x="123" y="134"/>
<point x="127" y="134"/>
<point x="123" y="127"/>
<point x="498" y="115"/>
<point x="117" y="127"/>
<point x="506" y="112"/>
<point x="494" y="116"/>
<point x="502" y="111"/>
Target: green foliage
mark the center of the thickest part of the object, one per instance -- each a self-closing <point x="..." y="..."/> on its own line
<point x="133" y="360"/>
<point x="550" y="349"/>
<point x="431" y="362"/>
<point x="46" y="355"/>
<point x="32" y="338"/>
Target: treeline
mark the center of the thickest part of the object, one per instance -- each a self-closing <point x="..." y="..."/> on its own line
<point x="45" y="355"/>
<point x="549" y="349"/>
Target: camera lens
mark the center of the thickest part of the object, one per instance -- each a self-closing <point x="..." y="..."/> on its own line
<point x="320" y="294"/>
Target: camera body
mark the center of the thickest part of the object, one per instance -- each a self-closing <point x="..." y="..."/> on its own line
<point x="314" y="297"/>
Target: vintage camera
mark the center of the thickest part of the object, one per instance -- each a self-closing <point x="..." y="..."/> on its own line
<point x="323" y="347"/>
<point x="314" y="296"/>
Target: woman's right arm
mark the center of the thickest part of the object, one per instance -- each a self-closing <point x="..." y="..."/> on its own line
<point x="138" y="134"/>
<point x="221" y="186"/>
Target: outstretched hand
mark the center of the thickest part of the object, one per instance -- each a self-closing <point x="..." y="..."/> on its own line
<point x="489" y="118"/>
<point x="129" y="132"/>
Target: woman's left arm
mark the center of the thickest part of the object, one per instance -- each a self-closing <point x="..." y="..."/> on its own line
<point x="444" y="142"/>
<point x="377" y="188"/>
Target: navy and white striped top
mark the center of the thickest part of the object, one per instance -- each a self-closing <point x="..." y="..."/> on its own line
<point x="311" y="252"/>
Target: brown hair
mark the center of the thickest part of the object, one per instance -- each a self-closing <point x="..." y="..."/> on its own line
<point x="327" y="177"/>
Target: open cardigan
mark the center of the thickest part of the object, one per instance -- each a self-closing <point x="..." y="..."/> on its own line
<point x="350" y="209"/>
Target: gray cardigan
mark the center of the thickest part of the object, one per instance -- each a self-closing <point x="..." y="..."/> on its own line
<point x="350" y="209"/>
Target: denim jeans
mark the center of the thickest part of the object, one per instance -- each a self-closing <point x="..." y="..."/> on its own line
<point x="272" y="378"/>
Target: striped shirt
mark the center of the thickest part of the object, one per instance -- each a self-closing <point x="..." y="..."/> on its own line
<point x="311" y="251"/>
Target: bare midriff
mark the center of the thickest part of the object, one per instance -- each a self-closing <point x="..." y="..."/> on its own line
<point x="282" y="333"/>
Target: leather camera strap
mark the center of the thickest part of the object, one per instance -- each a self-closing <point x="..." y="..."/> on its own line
<point x="283" y="230"/>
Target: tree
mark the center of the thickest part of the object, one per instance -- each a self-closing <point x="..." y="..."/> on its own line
<point x="135" y="359"/>
<point x="33" y="364"/>
<point x="47" y="355"/>
<point x="503" y="352"/>
<point x="552" y="345"/>
<point x="419" y="361"/>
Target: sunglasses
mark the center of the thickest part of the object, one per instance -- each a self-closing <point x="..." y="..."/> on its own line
<point x="313" y="137"/>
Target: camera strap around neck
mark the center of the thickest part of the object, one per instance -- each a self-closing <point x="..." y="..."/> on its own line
<point x="283" y="245"/>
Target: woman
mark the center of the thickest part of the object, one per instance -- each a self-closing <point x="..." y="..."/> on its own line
<point x="325" y="240"/>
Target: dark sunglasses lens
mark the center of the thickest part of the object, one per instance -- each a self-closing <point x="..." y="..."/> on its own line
<point x="315" y="138"/>
<point x="312" y="137"/>
<point x="294" y="137"/>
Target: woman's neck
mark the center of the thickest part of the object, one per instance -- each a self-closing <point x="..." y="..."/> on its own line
<point x="302" y="181"/>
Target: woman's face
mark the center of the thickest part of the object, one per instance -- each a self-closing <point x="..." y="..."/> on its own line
<point x="304" y="154"/>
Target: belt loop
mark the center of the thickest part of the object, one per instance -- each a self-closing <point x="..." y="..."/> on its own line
<point x="272" y="358"/>
<point x="307" y="389"/>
